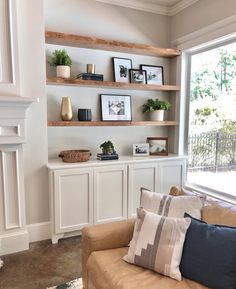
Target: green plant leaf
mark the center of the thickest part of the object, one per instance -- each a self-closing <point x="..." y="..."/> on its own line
<point x="60" y="57"/>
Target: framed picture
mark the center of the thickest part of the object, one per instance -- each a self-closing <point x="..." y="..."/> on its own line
<point x="158" y="146"/>
<point x="141" y="149"/>
<point x="138" y="76"/>
<point x="116" y="107"/>
<point x="121" y="69"/>
<point x="155" y="74"/>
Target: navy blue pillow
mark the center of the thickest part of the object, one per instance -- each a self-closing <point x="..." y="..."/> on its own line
<point x="209" y="255"/>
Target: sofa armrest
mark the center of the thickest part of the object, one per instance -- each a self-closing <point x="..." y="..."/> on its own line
<point x="102" y="237"/>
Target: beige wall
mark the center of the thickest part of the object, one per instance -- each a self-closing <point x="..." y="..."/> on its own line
<point x="200" y="15"/>
<point x="112" y="22"/>
<point x="88" y="17"/>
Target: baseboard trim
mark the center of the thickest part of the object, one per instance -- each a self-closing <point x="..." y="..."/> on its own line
<point x="39" y="231"/>
<point x="14" y="242"/>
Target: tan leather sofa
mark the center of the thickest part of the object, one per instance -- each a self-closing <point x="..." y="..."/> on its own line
<point x="103" y="247"/>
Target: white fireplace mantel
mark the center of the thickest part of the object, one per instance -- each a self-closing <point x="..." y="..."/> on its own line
<point x="12" y="118"/>
<point x="13" y="232"/>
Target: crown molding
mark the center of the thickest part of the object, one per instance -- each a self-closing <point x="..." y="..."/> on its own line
<point x="223" y="29"/>
<point x="151" y="6"/>
<point x="181" y="6"/>
<point x="139" y="5"/>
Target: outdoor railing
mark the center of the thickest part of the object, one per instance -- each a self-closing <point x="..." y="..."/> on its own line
<point x="212" y="151"/>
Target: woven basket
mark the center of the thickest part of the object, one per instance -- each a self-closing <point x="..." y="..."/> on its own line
<point x="73" y="156"/>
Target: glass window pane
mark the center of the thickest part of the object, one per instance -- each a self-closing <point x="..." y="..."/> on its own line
<point x="212" y="119"/>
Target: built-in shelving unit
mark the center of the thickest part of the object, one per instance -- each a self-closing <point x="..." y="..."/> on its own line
<point x="111" y="85"/>
<point x="65" y="39"/>
<point x="112" y="123"/>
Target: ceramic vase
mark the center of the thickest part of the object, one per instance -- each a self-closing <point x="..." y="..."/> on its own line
<point x="157" y="115"/>
<point x="66" y="109"/>
<point x="84" y="114"/>
<point x="63" y="71"/>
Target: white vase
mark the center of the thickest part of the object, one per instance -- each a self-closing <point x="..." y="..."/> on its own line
<point x="63" y="71"/>
<point x="157" y="115"/>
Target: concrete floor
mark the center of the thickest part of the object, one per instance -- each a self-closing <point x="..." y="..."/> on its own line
<point x="43" y="265"/>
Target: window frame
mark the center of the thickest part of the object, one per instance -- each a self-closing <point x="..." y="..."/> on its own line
<point x="185" y="106"/>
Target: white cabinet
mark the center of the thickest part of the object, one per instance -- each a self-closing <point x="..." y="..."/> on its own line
<point x="72" y="200"/>
<point x="110" y="193"/>
<point x="170" y="173"/>
<point x="96" y="192"/>
<point x="140" y="175"/>
<point x="157" y="176"/>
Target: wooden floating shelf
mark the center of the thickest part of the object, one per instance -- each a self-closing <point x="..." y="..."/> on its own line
<point x="59" y="38"/>
<point x="109" y="84"/>
<point x="112" y="123"/>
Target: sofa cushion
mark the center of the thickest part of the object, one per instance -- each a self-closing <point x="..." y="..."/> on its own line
<point x="171" y="206"/>
<point x="213" y="211"/>
<point x="157" y="243"/>
<point x="209" y="255"/>
<point x="107" y="270"/>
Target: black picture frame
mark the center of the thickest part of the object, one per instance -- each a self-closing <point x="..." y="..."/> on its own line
<point x="121" y="67"/>
<point x="115" y="107"/>
<point x="155" y="74"/>
<point x="138" y="76"/>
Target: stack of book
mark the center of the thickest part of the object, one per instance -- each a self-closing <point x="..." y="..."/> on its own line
<point x="90" y="76"/>
<point x="103" y="157"/>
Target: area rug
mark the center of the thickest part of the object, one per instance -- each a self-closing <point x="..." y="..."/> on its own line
<point x="74" y="284"/>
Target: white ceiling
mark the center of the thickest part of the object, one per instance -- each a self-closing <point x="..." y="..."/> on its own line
<point x="164" y="7"/>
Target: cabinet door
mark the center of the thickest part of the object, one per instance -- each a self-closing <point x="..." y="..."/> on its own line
<point x="110" y="193"/>
<point x="73" y="199"/>
<point x="171" y="173"/>
<point x="140" y="175"/>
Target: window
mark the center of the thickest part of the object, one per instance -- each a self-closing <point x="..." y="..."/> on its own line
<point x="212" y="120"/>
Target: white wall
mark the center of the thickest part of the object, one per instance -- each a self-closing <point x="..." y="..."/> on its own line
<point x="30" y="16"/>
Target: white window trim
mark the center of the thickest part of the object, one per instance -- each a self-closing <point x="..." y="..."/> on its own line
<point x="214" y="36"/>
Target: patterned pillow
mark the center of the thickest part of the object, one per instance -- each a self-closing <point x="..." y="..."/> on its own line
<point x="171" y="206"/>
<point x="157" y="243"/>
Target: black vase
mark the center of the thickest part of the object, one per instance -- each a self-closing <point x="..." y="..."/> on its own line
<point x="84" y="114"/>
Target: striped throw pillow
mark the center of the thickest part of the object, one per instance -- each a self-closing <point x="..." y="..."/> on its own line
<point x="171" y="206"/>
<point x="157" y="243"/>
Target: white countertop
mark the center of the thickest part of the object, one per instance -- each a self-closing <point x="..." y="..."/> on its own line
<point x="57" y="163"/>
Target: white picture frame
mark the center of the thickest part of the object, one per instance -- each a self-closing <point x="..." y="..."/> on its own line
<point x="141" y="149"/>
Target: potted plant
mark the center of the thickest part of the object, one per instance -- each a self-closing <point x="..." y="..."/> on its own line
<point x="156" y="108"/>
<point x="107" y="148"/>
<point x="62" y="61"/>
